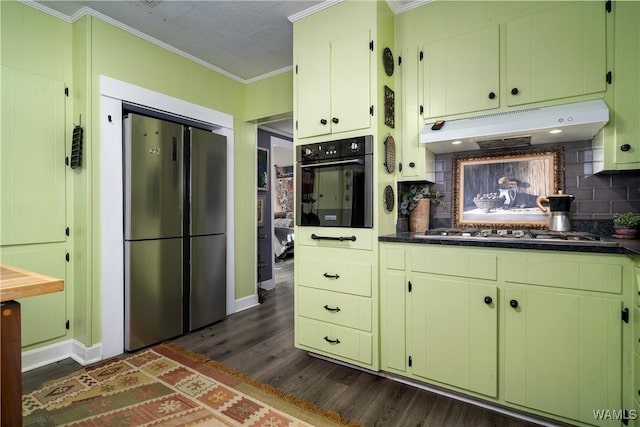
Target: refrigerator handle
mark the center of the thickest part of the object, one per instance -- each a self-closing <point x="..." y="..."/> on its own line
<point x="175" y="149"/>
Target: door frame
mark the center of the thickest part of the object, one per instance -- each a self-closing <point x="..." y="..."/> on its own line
<point x="111" y="258"/>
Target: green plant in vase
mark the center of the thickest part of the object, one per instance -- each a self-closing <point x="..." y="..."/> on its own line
<point x="415" y="204"/>
<point x="416" y="193"/>
<point x="626" y="225"/>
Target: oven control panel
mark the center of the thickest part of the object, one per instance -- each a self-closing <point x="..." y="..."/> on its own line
<point x="338" y="149"/>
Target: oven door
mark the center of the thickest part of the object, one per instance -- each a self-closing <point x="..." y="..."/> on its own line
<point x="335" y="193"/>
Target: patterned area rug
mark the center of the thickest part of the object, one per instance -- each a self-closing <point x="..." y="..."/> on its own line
<point x="167" y="386"/>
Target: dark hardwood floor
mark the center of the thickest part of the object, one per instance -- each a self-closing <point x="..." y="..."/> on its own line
<point x="259" y="342"/>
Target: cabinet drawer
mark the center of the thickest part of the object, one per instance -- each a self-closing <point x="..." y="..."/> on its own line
<point x="394" y="257"/>
<point x="454" y="262"/>
<point x="328" y="237"/>
<point x="586" y="273"/>
<point x="335" y="270"/>
<point x="340" y="309"/>
<point x="335" y="340"/>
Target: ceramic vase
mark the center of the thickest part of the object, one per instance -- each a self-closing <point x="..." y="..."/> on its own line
<point x="419" y="217"/>
<point x="626" y="233"/>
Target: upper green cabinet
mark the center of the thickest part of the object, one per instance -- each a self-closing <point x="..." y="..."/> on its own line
<point x="33" y="151"/>
<point x="510" y="55"/>
<point x="413" y="156"/>
<point x="559" y="52"/>
<point x="332" y="79"/>
<point x="617" y="147"/>
<point x="461" y="74"/>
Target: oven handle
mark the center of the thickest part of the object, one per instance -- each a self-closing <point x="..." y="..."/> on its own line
<point x="339" y="162"/>
<point x="341" y="238"/>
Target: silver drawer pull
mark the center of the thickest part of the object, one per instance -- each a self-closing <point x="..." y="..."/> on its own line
<point x="331" y="276"/>
<point x="335" y="310"/>
<point x="329" y="340"/>
<point x="340" y="238"/>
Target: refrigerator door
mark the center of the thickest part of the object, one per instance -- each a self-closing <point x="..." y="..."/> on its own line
<point x="153" y="292"/>
<point x="208" y="183"/>
<point x="208" y="280"/>
<point x="154" y="185"/>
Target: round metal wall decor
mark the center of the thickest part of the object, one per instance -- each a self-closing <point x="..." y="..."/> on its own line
<point x="390" y="154"/>
<point x="387" y="61"/>
<point x="389" y="198"/>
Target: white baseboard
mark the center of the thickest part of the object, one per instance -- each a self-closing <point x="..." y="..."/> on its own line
<point x="268" y="285"/>
<point x="52" y="353"/>
<point x="85" y="355"/>
<point x="246" y="302"/>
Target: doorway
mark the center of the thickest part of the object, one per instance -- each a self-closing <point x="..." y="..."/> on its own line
<point x="275" y="204"/>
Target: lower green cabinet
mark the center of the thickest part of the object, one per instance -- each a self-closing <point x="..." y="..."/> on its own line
<point x="563" y="351"/>
<point x="487" y="322"/>
<point x="454" y="334"/>
<point x="336" y="310"/>
<point x="393" y="326"/>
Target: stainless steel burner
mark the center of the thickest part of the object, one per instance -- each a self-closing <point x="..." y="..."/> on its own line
<point x="529" y="235"/>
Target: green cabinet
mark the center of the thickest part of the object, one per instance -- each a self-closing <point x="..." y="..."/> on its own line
<point x="461" y="74"/>
<point x="538" y="331"/>
<point x="33" y="152"/>
<point x="33" y="192"/>
<point x="393" y="286"/>
<point x="563" y="351"/>
<point x="414" y="159"/>
<point x="559" y="52"/>
<point x="617" y="146"/>
<point x="438" y="324"/>
<point x="332" y="88"/>
<point x="454" y="332"/>
<point x="511" y="55"/>
<point x="336" y="309"/>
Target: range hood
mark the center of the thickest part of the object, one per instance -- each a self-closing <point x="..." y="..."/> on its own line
<point x="577" y="121"/>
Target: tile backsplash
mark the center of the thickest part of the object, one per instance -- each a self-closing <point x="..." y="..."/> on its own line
<point x="598" y="197"/>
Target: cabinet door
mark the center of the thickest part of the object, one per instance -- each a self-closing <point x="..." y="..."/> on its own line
<point x="44" y="317"/>
<point x="562" y="352"/>
<point x="33" y="193"/>
<point x="393" y="290"/>
<point x="461" y="74"/>
<point x="350" y="82"/>
<point x="556" y="53"/>
<point x="454" y="332"/>
<point x="414" y="157"/>
<point x="313" y="89"/>
<point x="622" y="143"/>
<point x="32" y="159"/>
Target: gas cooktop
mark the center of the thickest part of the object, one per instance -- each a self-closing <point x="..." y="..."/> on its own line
<point x="524" y="235"/>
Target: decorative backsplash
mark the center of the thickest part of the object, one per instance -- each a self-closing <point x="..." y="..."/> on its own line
<point x="598" y="197"/>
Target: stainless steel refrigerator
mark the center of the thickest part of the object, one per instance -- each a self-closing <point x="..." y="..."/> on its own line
<point x="175" y="229"/>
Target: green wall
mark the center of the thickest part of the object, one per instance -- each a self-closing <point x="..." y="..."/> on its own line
<point x="36" y="66"/>
<point x="270" y="98"/>
<point x="78" y="54"/>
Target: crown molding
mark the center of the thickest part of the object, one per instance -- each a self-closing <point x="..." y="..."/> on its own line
<point x="85" y="10"/>
<point x="397" y="7"/>
<point x="312" y="10"/>
<point x="45" y="9"/>
<point x="269" y="74"/>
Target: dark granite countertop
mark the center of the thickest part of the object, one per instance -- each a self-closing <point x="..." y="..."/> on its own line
<point x="625" y="247"/>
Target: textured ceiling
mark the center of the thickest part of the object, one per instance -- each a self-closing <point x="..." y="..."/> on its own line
<point x="244" y="39"/>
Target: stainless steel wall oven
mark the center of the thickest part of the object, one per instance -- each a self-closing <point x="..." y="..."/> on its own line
<point x="334" y="183"/>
